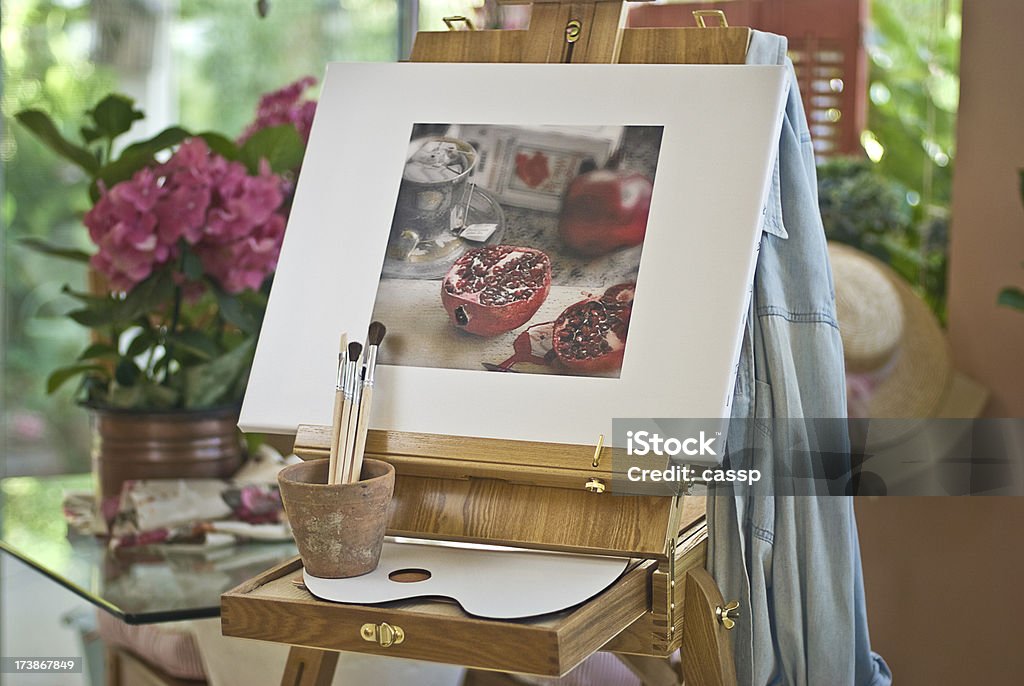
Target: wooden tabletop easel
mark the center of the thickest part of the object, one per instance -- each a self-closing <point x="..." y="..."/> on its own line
<point x="467" y="489"/>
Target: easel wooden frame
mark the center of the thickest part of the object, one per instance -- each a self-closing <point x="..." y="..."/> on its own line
<point x="548" y="497"/>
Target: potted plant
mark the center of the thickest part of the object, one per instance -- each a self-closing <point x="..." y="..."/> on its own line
<point x="187" y="229"/>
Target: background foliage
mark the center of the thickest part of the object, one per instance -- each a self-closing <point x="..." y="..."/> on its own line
<point x="42" y="197"/>
<point x="896" y="206"/>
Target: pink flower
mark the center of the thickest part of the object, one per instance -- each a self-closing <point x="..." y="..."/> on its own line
<point x="182" y="213"/>
<point x="244" y="264"/>
<point x="192" y="155"/>
<point x="245" y="202"/>
<point x="231" y="219"/>
<point x="142" y="193"/>
<point x="284" y="107"/>
<point x="122" y="224"/>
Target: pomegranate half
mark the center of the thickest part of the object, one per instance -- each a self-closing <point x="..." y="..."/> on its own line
<point x="590" y="336"/>
<point x="492" y="290"/>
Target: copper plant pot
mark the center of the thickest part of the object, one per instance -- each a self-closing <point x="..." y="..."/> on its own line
<point x="338" y="528"/>
<point x="186" y="444"/>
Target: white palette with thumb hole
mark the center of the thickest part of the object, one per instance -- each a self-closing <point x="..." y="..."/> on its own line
<point x="486" y="581"/>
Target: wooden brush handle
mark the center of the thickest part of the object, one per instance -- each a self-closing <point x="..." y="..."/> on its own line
<point x="345" y="470"/>
<point x="361" y="428"/>
<point x="343" y="441"/>
<point x="336" y="420"/>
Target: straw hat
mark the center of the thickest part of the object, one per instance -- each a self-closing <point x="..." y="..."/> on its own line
<point x="891" y="338"/>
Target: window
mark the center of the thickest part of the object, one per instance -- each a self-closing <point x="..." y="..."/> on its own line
<point x="198" y="63"/>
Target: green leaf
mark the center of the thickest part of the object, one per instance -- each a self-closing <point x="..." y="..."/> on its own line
<point x="146" y="297"/>
<point x="124" y="397"/>
<point x="160" y="397"/>
<point x="167" y="138"/>
<point x="232" y="311"/>
<point x="196" y="343"/>
<point x="89" y="134"/>
<point x="95" y="388"/>
<point x="143" y="396"/>
<point x="40" y="124"/>
<point x="60" y="376"/>
<point x="89" y="299"/>
<point x="281" y="146"/>
<point x="127" y="372"/>
<point x="140" y="344"/>
<point x="222" y="145"/>
<point x="98" y="351"/>
<point x="191" y="266"/>
<point x="1011" y="297"/>
<point x="41" y="246"/>
<point x="238" y="391"/>
<point x="137" y="156"/>
<point x="216" y="381"/>
<point x="114" y="115"/>
<point x="94" y="316"/>
<point x="161" y="366"/>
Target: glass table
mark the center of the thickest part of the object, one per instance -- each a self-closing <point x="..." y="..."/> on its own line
<point x="138" y="585"/>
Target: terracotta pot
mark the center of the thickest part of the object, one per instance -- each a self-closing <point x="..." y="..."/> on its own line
<point x="338" y="528"/>
<point x="185" y="444"/>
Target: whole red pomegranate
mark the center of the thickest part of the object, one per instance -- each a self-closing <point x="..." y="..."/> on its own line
<point x="605" y="210"/>
<point x="492" y="290"/>
<point x="590" y="336"/>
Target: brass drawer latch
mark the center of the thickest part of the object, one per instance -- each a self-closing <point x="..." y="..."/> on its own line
<point x="384" y="634"/>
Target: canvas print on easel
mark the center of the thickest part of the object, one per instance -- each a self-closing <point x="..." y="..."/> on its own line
<point x="517" y="248"/>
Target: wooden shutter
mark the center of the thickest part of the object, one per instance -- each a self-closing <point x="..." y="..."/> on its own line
<point x="825" y="44"/>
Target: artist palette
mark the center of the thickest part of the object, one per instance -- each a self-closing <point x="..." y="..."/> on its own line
<point x="486" y="581"/>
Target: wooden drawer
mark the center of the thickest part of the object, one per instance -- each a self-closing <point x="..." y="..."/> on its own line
<point x="273" y="607"/>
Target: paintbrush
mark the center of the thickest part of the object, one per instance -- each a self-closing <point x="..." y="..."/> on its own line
<point x="349" y="413"/>
<point x="373" y="341"/>
<point x="339" y="408"/>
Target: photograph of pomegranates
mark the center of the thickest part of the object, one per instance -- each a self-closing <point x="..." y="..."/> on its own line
<point x="517" y="248"/>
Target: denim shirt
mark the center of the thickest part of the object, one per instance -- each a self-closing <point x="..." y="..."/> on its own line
<point x="793" y="562"/>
